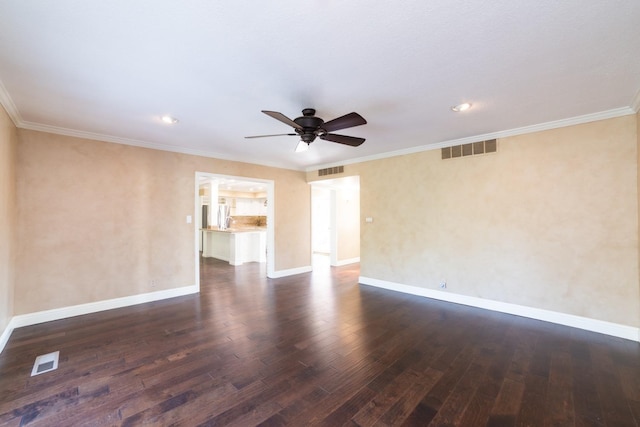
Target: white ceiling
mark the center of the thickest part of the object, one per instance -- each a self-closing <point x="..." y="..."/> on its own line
<point x="110" y="69"/>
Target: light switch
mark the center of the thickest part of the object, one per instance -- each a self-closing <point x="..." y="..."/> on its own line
<point x="188" y="219"/>
<point x="368" y="219"/>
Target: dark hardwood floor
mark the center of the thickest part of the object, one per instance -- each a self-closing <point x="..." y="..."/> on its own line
<point x="315" y="349"/>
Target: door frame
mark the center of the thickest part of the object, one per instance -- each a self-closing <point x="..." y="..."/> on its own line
<point x="270" y="186"/>
<point x="333" y="186"/>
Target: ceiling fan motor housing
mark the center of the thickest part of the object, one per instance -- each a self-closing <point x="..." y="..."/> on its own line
<point x="311" y="125"/>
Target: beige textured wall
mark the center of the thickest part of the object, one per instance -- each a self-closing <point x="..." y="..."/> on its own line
<point x="100" y="220"/>
<point x="8" y="217"/>
<point x="550" y="221"/>
<point x="348" y="224"/>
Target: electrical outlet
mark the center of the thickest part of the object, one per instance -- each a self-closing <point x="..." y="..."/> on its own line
<point x="153" y="283"/>
<point x="443" y="284"/>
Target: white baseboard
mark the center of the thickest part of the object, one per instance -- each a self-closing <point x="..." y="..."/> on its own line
<point x="92" y="307"/>
<point x="284" y="273"/>
<point x="347" y="261"/>
<point x="593" y="325"/>
<point x="6" y="334"/>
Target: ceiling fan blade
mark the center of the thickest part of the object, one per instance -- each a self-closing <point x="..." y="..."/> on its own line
<point x="347" y="121"/>
<point x="343" y="139"/>
<point x="266" y="136"/>
<point x="282" y="118"/>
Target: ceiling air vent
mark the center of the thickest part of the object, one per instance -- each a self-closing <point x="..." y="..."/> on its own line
<point x="481" y="147"/>
<point x="331" y="171"/>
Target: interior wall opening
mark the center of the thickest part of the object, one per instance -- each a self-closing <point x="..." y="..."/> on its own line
<point x="234" y="220"/>
<point x="335" y="221"/>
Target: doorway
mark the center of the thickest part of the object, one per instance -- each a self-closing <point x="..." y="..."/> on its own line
<point x="321" y="226"/>
<point x="335" y="221"/>
<point x="322" y="238"/>
<point x="256" y="195"/>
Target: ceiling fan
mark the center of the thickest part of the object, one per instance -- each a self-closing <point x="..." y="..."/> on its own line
<point x="308" y="127"/>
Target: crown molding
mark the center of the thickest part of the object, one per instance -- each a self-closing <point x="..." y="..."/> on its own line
<point x="609" y="114"/>
<point x="138" y="143"/>
<point x="14" y="114"/>
<point x="9" y="106"/>
<point x="635" y="104"/>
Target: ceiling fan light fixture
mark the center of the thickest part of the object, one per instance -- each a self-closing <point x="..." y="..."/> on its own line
<point x="461" y="107"/>
<point x="169" y="120"/>
<point x="302" y="146"/>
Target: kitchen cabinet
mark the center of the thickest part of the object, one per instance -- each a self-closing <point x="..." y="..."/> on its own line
<point x="236" y="247"/>
<point x="250" y="207"/>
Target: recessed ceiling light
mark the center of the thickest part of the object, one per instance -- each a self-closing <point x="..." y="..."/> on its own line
<point x="169" y="120"/>
<point x="461" y="107"/>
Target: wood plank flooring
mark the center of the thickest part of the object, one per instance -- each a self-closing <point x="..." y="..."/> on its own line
<point x="315" y="349"/>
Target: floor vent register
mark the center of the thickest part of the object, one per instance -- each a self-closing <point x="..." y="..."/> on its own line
<point x="45" y="363"/>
